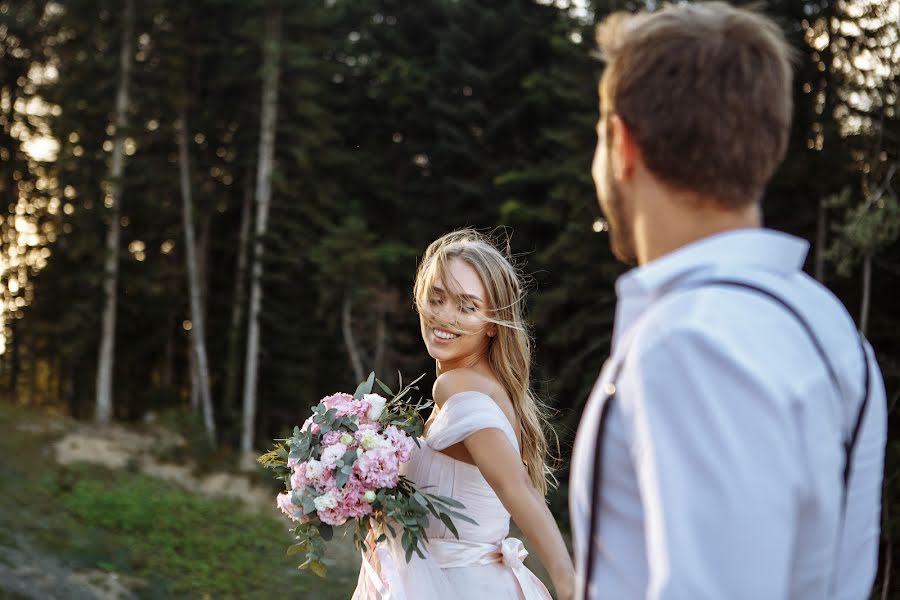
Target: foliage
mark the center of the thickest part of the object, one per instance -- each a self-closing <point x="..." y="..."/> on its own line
<point x="397" y="122"/>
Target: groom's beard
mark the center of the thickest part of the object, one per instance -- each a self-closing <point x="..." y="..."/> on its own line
<point x="612" y="202"/>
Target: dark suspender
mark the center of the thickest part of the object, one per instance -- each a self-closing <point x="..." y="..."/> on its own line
<point x="849" y="444"/>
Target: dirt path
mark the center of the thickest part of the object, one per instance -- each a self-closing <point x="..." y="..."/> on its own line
<point x="28" y="573"/>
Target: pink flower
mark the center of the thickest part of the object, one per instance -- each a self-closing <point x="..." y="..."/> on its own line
<point x="308" y="425"/>
<point x="298" y="476"/>
<point x="363" y="428"/>
<point x="401" y="441"/>
<point x="331" y="438"/>
<point x="345" y="405"/>
<point x="351" y="503"/>
<point x="332" y="454"/>
<point x="283" y="501"/>
<point x="378" y="468"/>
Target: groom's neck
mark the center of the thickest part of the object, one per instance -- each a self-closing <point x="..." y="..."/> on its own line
<point x="665" y="221"/>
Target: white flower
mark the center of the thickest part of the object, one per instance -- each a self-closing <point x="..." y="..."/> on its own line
<point x="377" y="405"/>
<point x="346" y="439"/>
<point x="370" y="440"/>
<point x="369" y="496"/>
<point x="326" y="501"/>
<point x="332" y="454"/>
<point x="314" y="469"/>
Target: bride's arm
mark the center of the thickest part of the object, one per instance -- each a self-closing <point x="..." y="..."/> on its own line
<point x="503" y="469"/>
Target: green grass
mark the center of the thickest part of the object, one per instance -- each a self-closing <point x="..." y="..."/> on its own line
<point x="182" y="545"/>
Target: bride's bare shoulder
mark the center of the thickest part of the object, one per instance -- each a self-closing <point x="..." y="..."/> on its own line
<point x="453" y="382"/>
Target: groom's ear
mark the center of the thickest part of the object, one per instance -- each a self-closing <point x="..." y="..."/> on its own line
<point x="625" y="152"/>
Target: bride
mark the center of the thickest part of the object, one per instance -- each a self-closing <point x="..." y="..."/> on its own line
<point x="483" y="444"/>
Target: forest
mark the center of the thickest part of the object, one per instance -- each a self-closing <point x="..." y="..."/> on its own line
<point x="214" y="209"/>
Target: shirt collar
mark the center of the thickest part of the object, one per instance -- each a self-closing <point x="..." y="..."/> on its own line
<point x="754" y="249"/>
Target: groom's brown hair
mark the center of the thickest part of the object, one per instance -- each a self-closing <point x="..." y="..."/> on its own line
<point x="705" y="88"/>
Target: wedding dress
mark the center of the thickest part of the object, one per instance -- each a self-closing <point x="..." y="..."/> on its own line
<point x="484" y="563"/>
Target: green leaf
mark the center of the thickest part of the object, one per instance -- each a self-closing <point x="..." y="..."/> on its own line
<point x="365" y="387"/>
<point x="384" y="388"/>
<point x="462" y="517"/>
<point x="326" y="531"/>
<point x="449" y="523"/>
<point x="316" y="566"/>
<point x="297" y="548"/>
<point x="450" y="502"/>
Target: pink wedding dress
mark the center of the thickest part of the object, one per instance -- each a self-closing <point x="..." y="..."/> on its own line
<point x="483" y="564"/>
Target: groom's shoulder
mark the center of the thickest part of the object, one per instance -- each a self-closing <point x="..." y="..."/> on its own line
<point x="726" y="317"/>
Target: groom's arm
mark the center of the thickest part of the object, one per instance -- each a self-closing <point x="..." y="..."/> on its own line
<point x="714" y="450"/>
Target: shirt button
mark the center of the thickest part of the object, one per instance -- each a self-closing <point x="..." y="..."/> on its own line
<point x="610" y="389"/>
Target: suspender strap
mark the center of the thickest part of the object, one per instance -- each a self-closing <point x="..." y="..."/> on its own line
<point x="593" y="507"/>
<point x="849" y="444"/>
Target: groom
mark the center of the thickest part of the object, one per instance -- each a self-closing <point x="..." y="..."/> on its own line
<point x="733" y="445"/>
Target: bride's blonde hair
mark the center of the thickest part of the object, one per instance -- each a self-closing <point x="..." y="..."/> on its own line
<point x="509" y="352"/>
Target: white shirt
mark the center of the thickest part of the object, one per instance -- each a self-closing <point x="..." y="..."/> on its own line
<point x="723" y="456"/>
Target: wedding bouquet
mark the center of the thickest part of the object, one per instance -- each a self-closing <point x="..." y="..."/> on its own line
<point x="343" y="465"/>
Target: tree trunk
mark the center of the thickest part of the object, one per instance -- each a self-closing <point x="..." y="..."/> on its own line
<point x="103" y="407"/>
<point x="200" y="380"/>
<point x="167" y="377"/>
<point x="821" y="241"/>
<point x="239" y="298"/>
<point x="380" y="339"/>
<point x="866" y="294"/>
<point x="15" y="362"/>
<point x="349" y="341"/>
<point x="193" y="377"/>
<point x="270" y="73"/>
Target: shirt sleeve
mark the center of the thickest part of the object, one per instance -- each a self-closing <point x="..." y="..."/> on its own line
<point x="858" y="555"/>
<point x="713" y="448"/>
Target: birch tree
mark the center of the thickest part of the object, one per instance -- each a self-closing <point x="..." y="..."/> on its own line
<point x="200" y="378"/>
<point x="268" y="120"/>
<point x="103" y="408"/>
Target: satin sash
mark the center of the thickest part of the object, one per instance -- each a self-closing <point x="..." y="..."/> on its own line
<point x="451" y="554"/>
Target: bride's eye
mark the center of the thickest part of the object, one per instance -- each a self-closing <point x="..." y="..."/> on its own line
<point x="435" y="301"/>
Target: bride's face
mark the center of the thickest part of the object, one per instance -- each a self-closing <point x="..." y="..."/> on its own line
<point x="453" y="327"/>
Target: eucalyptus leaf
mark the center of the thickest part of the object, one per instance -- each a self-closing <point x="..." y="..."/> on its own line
<point x="297" y="548"/>
<point x="449" y="523"/>
<point x="326" y="531"/>
<point x="450" y="502"/>
<point x="384" y="388"/>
